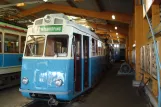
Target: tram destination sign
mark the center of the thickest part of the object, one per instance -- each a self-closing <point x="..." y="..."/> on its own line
<point x="51" y="28"/>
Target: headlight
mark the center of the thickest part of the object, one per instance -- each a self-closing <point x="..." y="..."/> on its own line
<point x="58" y="82"/>
<point x="25" y="80"/>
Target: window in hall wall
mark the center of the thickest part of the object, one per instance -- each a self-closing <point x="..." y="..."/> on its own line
<point x="11" y="43"/>
<point x="23" y="39"/>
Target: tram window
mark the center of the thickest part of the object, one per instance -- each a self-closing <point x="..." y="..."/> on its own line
<point x="57" y="45"/>
<point x="35" y="45"/>
<point x="99" y="47"/>
<point x="11" y="43"/>
<point x="93" y="47"/>
<point x="23" y="38"/>
<point x="58" y="21"/>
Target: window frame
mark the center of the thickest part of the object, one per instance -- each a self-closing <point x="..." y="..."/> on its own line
<point x="57" y="35"/>
<point x="4" y="37"/>
<point x="21" y="44"/>
<point x="24" y="53"/>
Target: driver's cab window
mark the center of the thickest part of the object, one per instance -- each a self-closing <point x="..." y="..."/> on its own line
<point x="57" y="45"/>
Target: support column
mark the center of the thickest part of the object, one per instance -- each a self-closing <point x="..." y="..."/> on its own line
<point x="138" y="37"/>
<point x="145" y="32"/>
<point x="127" y="46"/>
<point x="130" y="39"/>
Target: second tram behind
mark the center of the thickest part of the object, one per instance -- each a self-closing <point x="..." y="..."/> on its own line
<point x="12" y="42"/>
<point x="61" y="59"/>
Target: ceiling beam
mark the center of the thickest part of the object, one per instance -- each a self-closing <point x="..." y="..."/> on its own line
<point x="124" y="18"/>
<point x="109" y="27"/>
<point x="103" y="33"/>
<point x="111" y="38"/>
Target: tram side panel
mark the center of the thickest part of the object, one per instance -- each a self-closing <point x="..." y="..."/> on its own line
<point x="12" y="60"/>
<point x="1" y="59"/>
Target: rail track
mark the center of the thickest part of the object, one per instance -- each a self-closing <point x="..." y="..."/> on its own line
<point x="73" y="103"/>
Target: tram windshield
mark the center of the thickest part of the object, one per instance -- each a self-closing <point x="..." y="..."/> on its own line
<point x="35" y="45"/>
<point x="57" y="45"/>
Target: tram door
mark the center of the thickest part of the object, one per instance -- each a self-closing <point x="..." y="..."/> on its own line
<point x="86" y="60"/>
<point x="77" y="63"/>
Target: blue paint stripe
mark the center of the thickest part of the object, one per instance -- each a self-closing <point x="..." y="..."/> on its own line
<point x="10" y="60"/>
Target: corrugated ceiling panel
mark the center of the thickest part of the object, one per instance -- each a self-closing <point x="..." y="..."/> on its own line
<point x="87" y="4"/>
<point x="122" y="6"/>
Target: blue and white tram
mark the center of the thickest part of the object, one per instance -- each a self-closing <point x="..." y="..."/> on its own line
<point x="61" y="59"/>
<point x="12" y="42"/>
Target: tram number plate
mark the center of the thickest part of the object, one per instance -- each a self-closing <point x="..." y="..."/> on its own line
<point x="51" y="28"/>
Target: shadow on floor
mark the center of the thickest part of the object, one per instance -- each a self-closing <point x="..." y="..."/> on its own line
<point x="114" y="91"/>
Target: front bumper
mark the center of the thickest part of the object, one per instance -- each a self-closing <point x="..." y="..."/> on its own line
<point x="59" y="95"/>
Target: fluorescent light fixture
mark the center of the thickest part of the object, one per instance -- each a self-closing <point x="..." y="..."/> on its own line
<point x="113" y="17"/>
<point x="45" y="0"/>
<point x="116" y="33"/>
<point x="115" y="27"/>
<point x="20" y="4"/>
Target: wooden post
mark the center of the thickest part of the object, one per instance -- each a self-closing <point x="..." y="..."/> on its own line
<point x="127" y="46"/>
<point x="130" y="45"/>
<point x="138" y="37"/>
<point x="145" y="32"/>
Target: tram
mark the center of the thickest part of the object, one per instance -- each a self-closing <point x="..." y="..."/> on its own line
<point x="12" y="42"/>
<point x="61" y="59"/>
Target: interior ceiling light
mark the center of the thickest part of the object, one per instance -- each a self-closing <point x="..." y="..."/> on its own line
<point x="45" y="0"/>
<point x="20" y="4"/>
<point x="116" y="33"/>
<point x="113" y="17"/>
<point x="115" y="27"/>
